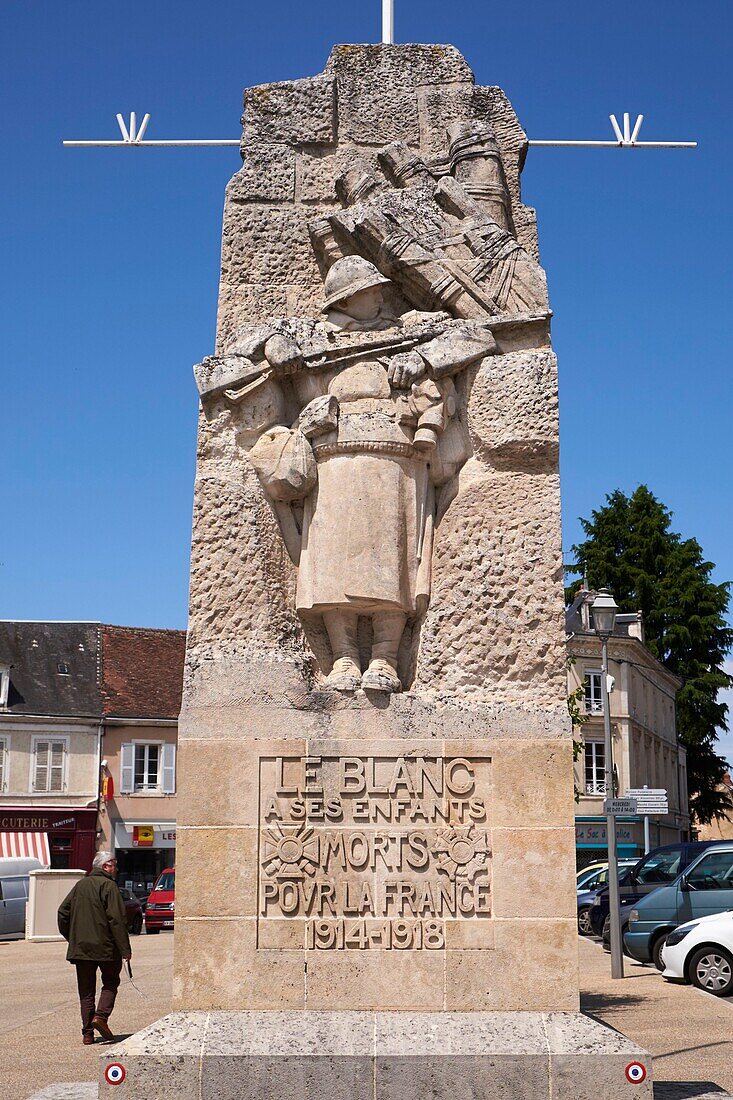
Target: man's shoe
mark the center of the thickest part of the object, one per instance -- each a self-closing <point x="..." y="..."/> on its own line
<point x="345" y="675"/>
<point x="381" y="676"/>
<point x="87" y="1040"/>
<point x="100" y="1024"/>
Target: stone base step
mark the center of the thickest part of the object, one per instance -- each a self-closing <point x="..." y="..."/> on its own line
<point x="375" y="1056"/>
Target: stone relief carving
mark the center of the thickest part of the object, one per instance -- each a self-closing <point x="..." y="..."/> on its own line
<point x="355" y="423"/>
<point x="373" y="851"/>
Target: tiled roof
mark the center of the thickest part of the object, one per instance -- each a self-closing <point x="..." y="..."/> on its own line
<point x="89" y="670"/>
<point x="141" y="672"/>
<point x="53" y="668"/>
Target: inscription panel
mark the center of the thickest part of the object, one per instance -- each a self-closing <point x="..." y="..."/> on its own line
<point x="372" y="852"/>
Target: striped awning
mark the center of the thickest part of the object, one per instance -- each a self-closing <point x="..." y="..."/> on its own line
<point x="26" y="846"/>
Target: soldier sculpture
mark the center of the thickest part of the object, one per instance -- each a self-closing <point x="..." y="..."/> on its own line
<point x="351" y="421"/>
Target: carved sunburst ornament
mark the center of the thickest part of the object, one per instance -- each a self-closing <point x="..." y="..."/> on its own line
<point x="463" y="853"/>
<point x="290" y="851"/>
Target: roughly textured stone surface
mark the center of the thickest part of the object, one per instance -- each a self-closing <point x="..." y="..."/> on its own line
<point x="376" y="1056"/>
<point x="513" y="410"/>
<point x="294" y="112"/>
<point x="269" y="269"/>
<point x="487" y="636"/>
<point x="266" y="244"/>
<point x="316" y="177"/>
<point x="69" y="1090"/>
<point x="267" y="175"/>
<point x="374" y="84"/>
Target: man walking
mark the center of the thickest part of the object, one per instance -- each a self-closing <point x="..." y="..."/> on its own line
<point x="92" y="918"/>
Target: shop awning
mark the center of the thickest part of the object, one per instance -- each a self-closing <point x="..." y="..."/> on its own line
<point x="26" y="846"/>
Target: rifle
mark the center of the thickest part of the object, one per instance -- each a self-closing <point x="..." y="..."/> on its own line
<point x="236" y="375"/>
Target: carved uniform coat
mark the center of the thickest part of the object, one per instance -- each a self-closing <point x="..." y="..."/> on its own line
<point x="367" y="532"/>
<point x="365" y="523"/>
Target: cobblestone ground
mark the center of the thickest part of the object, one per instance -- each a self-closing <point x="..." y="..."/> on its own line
<point x="689" y="1033"/>
<point x="40" y="1026"/>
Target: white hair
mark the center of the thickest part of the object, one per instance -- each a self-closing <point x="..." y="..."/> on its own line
<point x="100" y="859"/>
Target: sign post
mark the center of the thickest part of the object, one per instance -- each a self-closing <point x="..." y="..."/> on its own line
<point x="619" y="806"/>
<point x="650" y="801"/>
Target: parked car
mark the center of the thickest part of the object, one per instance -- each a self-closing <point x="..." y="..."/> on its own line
<point x="136" y="887"/>
<point x="597" y="881"/>
<point x="14" y="878"/>
<point x="161" y="906"/>
<point x="704" y="888"/>
<point x="134" y="912"/>
<point x="657" y="868"/>
<point x="701" y="952"/>
<point x="588" y="872"/>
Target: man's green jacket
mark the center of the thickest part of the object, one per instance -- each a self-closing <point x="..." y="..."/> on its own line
<point x="92" y="918"/>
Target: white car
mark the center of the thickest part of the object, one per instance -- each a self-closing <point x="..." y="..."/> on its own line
<point x="701" y="952"/>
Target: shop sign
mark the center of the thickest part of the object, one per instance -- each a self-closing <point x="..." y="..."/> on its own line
<point x="143" y="836"/>
<point x="160" y="834"/>
<point x="32" y="821"/>
<point x="588" y="832"/>
<point x="108" y="788"/>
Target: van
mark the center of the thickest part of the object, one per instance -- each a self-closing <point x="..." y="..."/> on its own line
<point x="161" y="906"/>
<point x="705" y="887"/>
<point x="14" y="878"/>
<point x="657" y="868"/>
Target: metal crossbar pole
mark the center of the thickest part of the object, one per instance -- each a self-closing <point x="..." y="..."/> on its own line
<point x="388" y="22"/>
<point x="625" y="138"/>
<point x="620" y="144"/>
<point x="141" y="144"/>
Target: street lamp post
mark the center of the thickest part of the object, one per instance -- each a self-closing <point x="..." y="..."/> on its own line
<point x="604" y="618"/>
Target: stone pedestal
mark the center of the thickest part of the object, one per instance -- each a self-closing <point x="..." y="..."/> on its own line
<point x="375" y="866"/>
<point x="477" y="914"/>
<point x="377" y="1056"/>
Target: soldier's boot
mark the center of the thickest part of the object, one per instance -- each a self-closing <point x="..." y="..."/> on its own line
<point x="388" y="627"/>
<point x="342" y="634"/>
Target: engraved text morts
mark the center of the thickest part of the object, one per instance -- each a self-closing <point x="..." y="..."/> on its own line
<point x="374" y="852"/>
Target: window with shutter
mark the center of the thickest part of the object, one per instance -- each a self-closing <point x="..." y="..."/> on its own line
<point x="40" y="781"/>
<point x="56" y="767"/>
<point x="127" y="769"/>
<point x="169" y="769"/>
<point x="49" y="766"/>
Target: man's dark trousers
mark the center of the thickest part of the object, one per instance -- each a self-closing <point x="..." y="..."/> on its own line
<point x="86" y="980"/>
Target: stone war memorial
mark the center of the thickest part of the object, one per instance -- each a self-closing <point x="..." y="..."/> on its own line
<point x="376" y="856"/>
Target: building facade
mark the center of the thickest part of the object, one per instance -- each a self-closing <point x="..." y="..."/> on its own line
<point x="49" y="741"/>
<point x="88" y="724"/>
<point x="142" y="677"/>
<point x="646" y="750"/>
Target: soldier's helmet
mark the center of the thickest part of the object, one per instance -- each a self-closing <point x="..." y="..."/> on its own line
<point x="348" y="276"/>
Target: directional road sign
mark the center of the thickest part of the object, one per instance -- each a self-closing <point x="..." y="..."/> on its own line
<point x="652" y="801"/>
<point x="617" y="806"/>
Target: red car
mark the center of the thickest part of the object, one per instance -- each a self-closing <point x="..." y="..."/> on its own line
<point x="161" y="906"/>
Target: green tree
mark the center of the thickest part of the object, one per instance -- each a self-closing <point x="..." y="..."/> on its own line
<point x="631" y="549"/>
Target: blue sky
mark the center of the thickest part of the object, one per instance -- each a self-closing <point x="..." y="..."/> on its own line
<point x="110" y="262"/>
